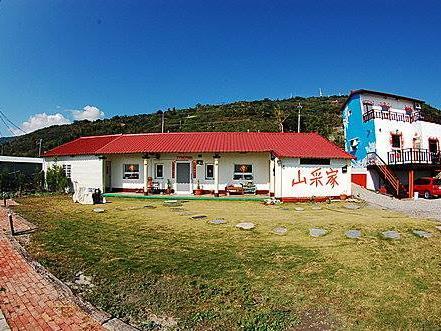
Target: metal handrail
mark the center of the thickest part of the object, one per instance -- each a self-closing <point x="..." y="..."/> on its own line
<point x="413" y="156"/>
<point x="391" y="115"/>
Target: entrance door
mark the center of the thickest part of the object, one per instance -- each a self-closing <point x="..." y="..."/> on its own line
<point x="108" y="184"/>
<point x="183" y="177"/>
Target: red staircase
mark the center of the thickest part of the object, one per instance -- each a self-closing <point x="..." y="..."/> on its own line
<point x="397" y="188"/>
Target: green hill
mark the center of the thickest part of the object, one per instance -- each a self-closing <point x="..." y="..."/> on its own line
<point x="320" y="114"/>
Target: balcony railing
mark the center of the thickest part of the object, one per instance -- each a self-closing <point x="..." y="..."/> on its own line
<point x="391" y="115"/>
<point x="413" y="156"/>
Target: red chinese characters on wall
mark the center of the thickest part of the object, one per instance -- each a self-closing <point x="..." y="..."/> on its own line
<point x="316" y="178"/>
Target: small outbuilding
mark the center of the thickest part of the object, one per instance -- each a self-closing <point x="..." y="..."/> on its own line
<point x="288" y="166"/>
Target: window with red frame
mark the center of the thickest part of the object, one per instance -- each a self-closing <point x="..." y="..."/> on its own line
<point x="433" y="145"/>
<point x="396" y="140"/>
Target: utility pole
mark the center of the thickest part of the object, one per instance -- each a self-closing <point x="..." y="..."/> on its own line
<point x="39" y="147"/>
<point x="162" y="123"/>
<point x="299" y="107"/>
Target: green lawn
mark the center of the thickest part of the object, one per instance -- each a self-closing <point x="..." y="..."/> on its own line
<point x="147" y="262"/>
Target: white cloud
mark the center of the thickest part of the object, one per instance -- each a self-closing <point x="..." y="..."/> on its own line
<point x="39" y="121"/>
<point x="90" y="113"/>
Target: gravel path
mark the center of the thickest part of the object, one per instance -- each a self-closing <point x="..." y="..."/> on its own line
<point x="416" y="208"/>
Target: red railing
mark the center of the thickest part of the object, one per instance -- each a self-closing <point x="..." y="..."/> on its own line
<point x="373" y="159"/>
<point x="391" y="115"/>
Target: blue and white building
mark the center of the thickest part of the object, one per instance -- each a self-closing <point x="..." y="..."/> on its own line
<point x="391" y="141"/>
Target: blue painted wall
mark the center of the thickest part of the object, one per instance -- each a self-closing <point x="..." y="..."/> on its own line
<point x="354" y="128"/>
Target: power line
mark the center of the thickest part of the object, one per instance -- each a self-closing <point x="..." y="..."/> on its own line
<point x="12" y="123"/>
<point x="6" y="124"/>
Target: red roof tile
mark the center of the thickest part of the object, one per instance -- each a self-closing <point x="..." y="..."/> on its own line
<point x="305" y="145"/>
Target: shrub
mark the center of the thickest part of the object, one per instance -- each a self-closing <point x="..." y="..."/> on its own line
<point x="56" y="179"/>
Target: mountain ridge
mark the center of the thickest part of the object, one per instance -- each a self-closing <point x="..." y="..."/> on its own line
<point x="318" y="114"/>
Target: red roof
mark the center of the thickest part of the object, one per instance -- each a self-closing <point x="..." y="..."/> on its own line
<point x="304" y="145"/>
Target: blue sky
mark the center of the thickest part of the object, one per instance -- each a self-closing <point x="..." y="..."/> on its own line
<point x="131" y="57"/>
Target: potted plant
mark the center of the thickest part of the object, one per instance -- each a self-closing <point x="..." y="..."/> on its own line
<point x="168" y="190"/>
<point x="198" y="190"/>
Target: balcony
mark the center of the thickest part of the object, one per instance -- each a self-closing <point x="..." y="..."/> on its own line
<point x="391" y="115"/>
<point x="413" y="156"/>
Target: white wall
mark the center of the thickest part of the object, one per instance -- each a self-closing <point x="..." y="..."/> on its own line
<point x="429" y="130"/>
<point x="287" y="172"/>
<point x="420" y="130"/>
<point x="260" y="162"/>
<point x="86" y="170"/>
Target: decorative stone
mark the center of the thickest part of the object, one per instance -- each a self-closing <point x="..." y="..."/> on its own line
<point x="198" y="217"/>
<point x="391" y="235"/>
<point x="185" y="213"/>
<point x="280" y="230"/>
<point x="99" y="210"/>
<point x="316" y="208"/>
<point x="353" y="234"/>
<point x="217" y="221"/>
<point x="299" y="209"/>
<point x="422" y="234"/>
<point x="438" y="227"/>
<point x="317" y="232"/>
<point x="245" y="225"/>
<point x="83" y="280"/>
<point x="149" y="207"/>
<point x="351" y="206"/>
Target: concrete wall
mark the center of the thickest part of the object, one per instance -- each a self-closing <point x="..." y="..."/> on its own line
<point x="288" y="183"/>
<point x="89" y="171"/>
<point x="86" y="170"/>
<point x="363" y="133"/>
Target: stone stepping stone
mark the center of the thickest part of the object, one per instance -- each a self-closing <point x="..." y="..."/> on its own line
<point x="438" y="227"/>
<point x="280" y="230"/>
<point x="172" y="203"/>
<point x="394" y="235"/>
<point x="217" y="221"/>
<point x="422" y="234"/>
<point x="149" y="207"/>
<point x="299" y="209"/>
<point x="317" y="232"/>
<point x="198" y="217"/>
<point x="245" y="225"/>
<point x="99" y="210"/>
<point x="353" y="234"/>
<point x="185" y="213"/>
<point x="316" y="208"/>
<point x="351" y="206"/>
<point x="177" y="209"/>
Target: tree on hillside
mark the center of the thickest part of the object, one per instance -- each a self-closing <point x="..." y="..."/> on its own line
<point x="281" y="115"/>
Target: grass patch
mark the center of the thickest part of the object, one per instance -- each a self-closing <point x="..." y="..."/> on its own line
<point x="152" y="264"/>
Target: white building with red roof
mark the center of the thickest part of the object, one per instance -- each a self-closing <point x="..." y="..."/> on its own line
<point x="289" y="166"/>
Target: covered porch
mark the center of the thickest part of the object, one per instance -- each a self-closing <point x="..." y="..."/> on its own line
<point x="206" y="174"/>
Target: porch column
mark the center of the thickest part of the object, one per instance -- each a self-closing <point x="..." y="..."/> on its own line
<point x="146" y="164"/>
<point x="103" y="173"/>
<point x="216" y="176"/>
<point x="411" y="179"/>
<point x="271" y="178"/>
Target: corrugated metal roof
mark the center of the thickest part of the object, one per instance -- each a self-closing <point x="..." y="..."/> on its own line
<point x="305" y="145"/>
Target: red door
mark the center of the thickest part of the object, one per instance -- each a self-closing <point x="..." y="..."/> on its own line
<point x="359" y="179"/>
